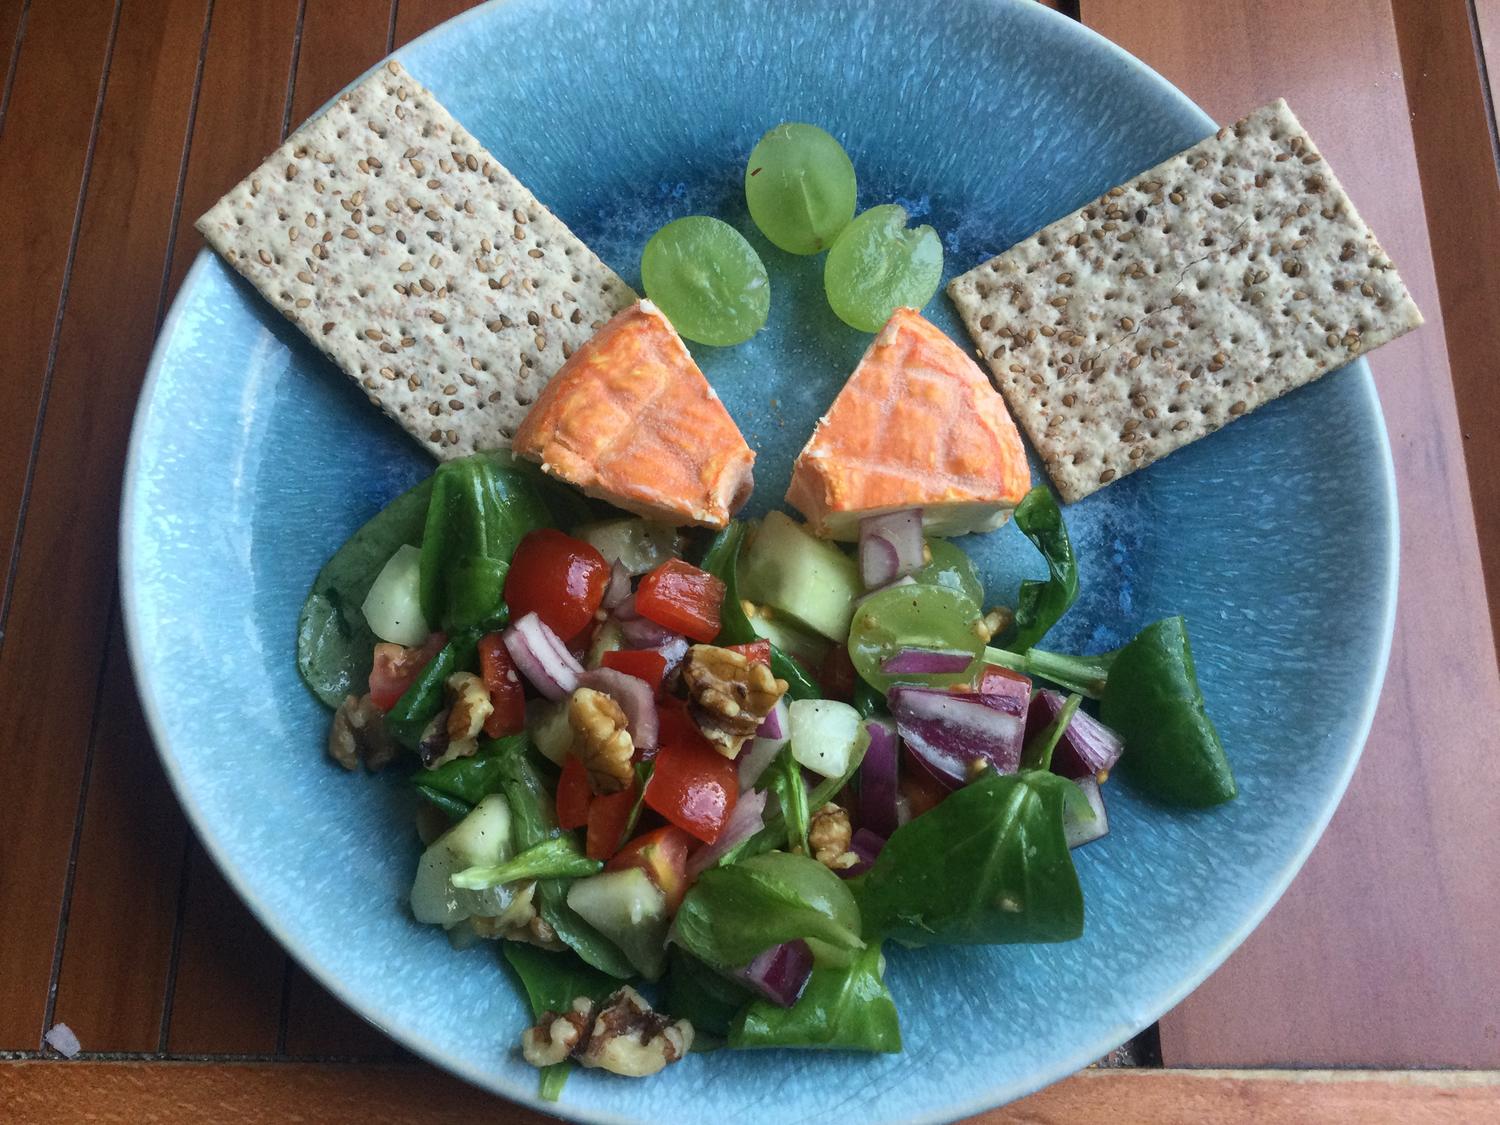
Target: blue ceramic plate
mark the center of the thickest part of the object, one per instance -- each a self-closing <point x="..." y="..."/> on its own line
<point x="253" y="459"/>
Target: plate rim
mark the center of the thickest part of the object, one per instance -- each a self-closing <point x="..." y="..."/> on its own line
<point x="497" y="1084"/>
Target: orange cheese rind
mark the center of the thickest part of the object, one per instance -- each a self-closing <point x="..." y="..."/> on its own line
<point x="630" y="419"/>
<point x="917" y="425"/>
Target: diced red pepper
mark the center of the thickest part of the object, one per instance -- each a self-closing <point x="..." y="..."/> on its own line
<point x="990" y="673"/>
<point x="559" y="578"/>
<point x="507" y="694"/>
<point x="692" y="785"/>
<point x="837" y="675"/>
<point x="395" y="669"/>
<point x="663" y="855"/>
<point x="680" y="597"/>
<point x="608" y="816"/>
<point x="756" y="652"/>
<point x="573" y="794"/>
<point x="643" y="664"/>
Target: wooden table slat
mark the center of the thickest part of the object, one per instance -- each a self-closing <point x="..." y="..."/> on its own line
<point x="11" y="31"/>
<point x="42" y="158"/>
<point x="414" y="17"/>
<point x="1486" y="31"/>
<point x="319" y="1027"/>
<point x="1421" y="965"/>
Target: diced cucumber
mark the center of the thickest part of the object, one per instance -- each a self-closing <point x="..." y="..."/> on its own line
<point x="393" y="606"/>
<point x="482" y="837"/>
<point x="791" y="638"/>
<point x="550" y="731"/>
<point x="629" y="909"/>
<point x="825" y="735"/>
<point x="640" y="545"/>
<point x="792" y="571"/>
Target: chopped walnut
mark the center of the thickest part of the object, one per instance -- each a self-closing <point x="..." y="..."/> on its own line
<point x="993" y="623"/>
<point x="454" y="731"/>
<point x="557" y="1034"/>
<point x="519" y="922"/>
<point x="828" y="835"/>
<point x="601" y="740"/>
<point x="732" y="694"/>
<point x="358" y="734"/>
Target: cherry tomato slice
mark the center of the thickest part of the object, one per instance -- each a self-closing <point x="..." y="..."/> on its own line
<point x="756" y="652"/>
<point x="643" y="664"/>
<point x="608" y="816"/>
<point x="396" y="667"/>
<point x="663" y="855"/>
<point x="680" y="597"/>
<point x="573" y="794"/>
<point x="559" y="578"/>
<point x="507" y="695"/>
<point x="692" y="785"/>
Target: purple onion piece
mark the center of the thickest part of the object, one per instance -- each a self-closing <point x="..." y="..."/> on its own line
<point x="877" y="778"/>
<point x="1086" y="748"/>
<point x="542" y="657"/>
<point x="780" y="973"/>
<point x="866" y="845"/>
<point x="619" y="586"/>
<point x="950" y="731"/>
<point x="926" y="662"/>
<point x="641" y="632"/>
<point x="890" y="545"/>
<point x="746" y="820"/>
<point x="1078" y="829"/>
<point x="636" y="699"/>
<point x="777" y="724"/>
<point x="755" y="757"/>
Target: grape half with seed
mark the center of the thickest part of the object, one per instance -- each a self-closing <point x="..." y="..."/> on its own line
<point x="799" y="183"/>
<point x="707" y="279"/>
<point x="877" y="265"/>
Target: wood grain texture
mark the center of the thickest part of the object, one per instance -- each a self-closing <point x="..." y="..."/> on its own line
<point x="10" y="27"/>
<point x="42" y="157"/>
<point x="318" y="1026"/>
<point x="131" y="843"/>
<point x="1461" y="183"/>
<point x="122" y="1093"/>
<point x="414" y="17"/>
<point x="1486" y="30"/>
<point x="1384" y="952"/>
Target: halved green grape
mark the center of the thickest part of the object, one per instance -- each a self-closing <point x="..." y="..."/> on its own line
<point x="707" y="279"/>
<point x="799" y="183"/>
<point x="877" y="266"/>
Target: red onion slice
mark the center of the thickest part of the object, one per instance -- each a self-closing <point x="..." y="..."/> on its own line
<point x="641" y="632"/>
<point x="926" y="662"/>
<point x="780" y="973"/>
<point x="542" y="657"/>
<point x="1079" y="830"/>
<point x="877" y="778"/>
<point x="636" y="699"/>
<point x="1086" y="748"/>
<point x="890" y="545"/>
<point x="747" y="818"/>
<point x="754" y="759"/>
<point x="619" y="586"/>
<point x="950" y="731"/>
<point x="777" y="724"/>
<point x="866" y="845"/>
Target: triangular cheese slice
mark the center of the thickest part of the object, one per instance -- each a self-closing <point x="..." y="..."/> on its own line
<point x="631" y="420"/>
<point x="916" y="426"/>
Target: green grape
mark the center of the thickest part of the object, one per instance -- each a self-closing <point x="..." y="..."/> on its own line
<point x="708" y="280"/>
<point x="799" y="183"/>
<point x="877" y="266"/>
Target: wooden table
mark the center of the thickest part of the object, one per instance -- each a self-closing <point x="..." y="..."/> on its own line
<point x="122" y="121"/>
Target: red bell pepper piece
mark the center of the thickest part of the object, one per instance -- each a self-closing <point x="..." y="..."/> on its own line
<point x="663" y="855"/>
<point x="507" y="695"/>
<point x="756" y="652"/>
<point x="559" y="578"/>
<point x="396" y="667"/>
<point x="573" y="794"/>
<point x="608" y="816"/>
<point x="692" y="784"/>
<point x="680" y="597"/>
<point x="643" y="664"/>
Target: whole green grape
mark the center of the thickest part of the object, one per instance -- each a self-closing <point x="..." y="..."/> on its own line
<point x="799" y="183"/>
<point x="877" y="266"/>
<point x="707" y="279"/>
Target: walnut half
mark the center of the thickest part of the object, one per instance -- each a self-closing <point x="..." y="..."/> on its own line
<point x="624" y="1036"/>
<point x="358" y="734"/>
<point x="731" y="695"/>
<point x="828" y="835"/>
<point x="601" y="740"/>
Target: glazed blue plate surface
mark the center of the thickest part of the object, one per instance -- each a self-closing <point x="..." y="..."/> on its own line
<point x="253" y="459"/>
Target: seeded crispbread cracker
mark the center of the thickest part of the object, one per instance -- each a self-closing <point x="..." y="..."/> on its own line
<point x="417" y="263"/>
<point x="1222" y="278"/>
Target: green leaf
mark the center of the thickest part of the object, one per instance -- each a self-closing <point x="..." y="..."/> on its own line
<point x="800" y="683"/>
<point x="470" y="780"/>
<point x="557" y="858"/>
<point x="792" y="795"/>
<point x="334" y="644"/>
<point x="455" y="808"/>
<point x="733" y="913"/>
<point x="1038" y="752"/>
<point x="551" y="982"/>
<point x="481" y="507"/>
<point x="702" y="995"/>
<point x="1041" y="604"/>
<point x="1086" y="675"/>
<point x="990" y="865"/>
<point x="1172" y="749"/>
<point x="848" y="1008"/>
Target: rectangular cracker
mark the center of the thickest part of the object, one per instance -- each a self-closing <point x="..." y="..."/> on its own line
<point x="1222" y="278"/>
<point x="416" y="262"/>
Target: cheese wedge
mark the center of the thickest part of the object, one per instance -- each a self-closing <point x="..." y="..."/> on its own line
<point x="630" y="419"/>
<point x="916" y="426"/>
